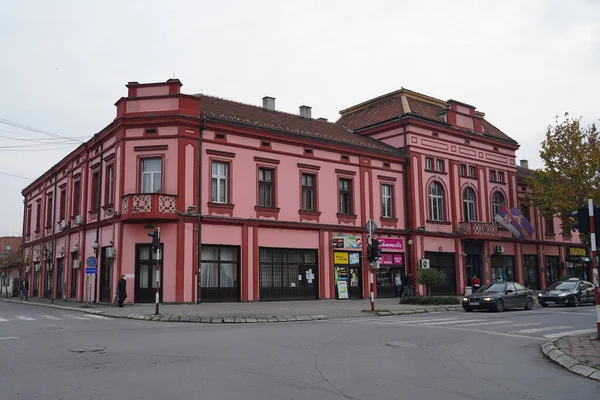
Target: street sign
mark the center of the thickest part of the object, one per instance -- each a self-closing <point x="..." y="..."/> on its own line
<point x="91" y="271"/>
<point x="91" y="262"/>
<point x="371" y="226"/>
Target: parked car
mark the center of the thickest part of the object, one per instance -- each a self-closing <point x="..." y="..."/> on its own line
<point x="499" y="297"/>
<point x="571" y="293"/>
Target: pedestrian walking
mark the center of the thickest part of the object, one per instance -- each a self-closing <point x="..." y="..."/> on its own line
<point x="122" y="290"/>
<point x="398" y="283"/>
<point x="24" y="288"/>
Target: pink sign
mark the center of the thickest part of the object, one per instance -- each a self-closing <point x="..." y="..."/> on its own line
<point x="390" y="244"/>
<point x="391" y="259"/>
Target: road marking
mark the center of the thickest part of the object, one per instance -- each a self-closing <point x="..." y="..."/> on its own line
<point x="488" y="323"/>
<point x="569" y="333"/>
<point x="546" y="328"/>
<point x="418" y="321"/>
<point x="74" y="316"/>
<point x="97" y="316"/>
<point x="8" y="337"/>
<point x="460" y="321"/>
<point x="23" y="318"/>
<point x="576" y="313"/>
<point x="48" y="316"/>
<point x="526" y="324"/>
<point x="3" y="320"/>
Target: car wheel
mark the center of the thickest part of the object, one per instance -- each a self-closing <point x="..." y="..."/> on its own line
<point x="468" y="309"/>
<point x="529" y="303"/>
<point x="499" y="305"/>
<point x="544" y="304"/>
<point x="575" y="301"/>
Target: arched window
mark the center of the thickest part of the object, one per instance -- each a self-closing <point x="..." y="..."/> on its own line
<point x="469" y="204"/>
<point x="436" y="202"/>
<point x="497" y="202"/>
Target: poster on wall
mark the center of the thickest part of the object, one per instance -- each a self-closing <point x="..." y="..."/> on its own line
<point x="354" y="258"/>
<point x="344" y="241"/>
<point x="342" y="290"/>
<point x="340" y="258"/>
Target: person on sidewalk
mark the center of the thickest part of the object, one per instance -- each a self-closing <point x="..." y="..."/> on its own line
<point x="24" y="288"/>
<point x="122" y="290"/>
<point x="409" y="286"/>
<point x="476" y="283"/>
<point x="398" y="283"/>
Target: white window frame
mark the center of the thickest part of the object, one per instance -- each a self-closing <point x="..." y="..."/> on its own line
<point x="216" y="176"/>
<point x="429" y="164"/>
<point x="436" y="202"/>
<point x="440" y="165"/>
<point x="387" y="207"/>
<point x="496" y="204"/>
<point x="469" y="204"/>
<point x="152" y="174"/>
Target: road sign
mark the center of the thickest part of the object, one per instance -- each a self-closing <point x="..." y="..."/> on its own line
<point x="91" y="271"/>
<point x="371" y="226"/>
<point x="91" y="262"/>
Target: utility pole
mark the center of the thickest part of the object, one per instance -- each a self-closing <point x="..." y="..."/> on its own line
<point x="594" y="262"/>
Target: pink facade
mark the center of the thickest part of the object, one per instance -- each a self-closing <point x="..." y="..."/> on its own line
<point x="282" y="204"/>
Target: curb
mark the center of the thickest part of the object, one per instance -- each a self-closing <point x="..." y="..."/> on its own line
<point x="416" y="311"/>
<point x="555" y="355"/>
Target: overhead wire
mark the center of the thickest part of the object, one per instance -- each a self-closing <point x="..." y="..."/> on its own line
<point x="40" y="131"/>
<point x="16" y="176"/>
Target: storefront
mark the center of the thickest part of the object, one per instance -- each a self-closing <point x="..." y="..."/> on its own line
<point x="288" y="274"/>
<point x="530" y="271"/>
<point x="445" y="263"/>
<point x="503" y="268"/>
<point x="472" y="262"/>
<point x="392" y="262"/>
<point x="552" y="269"/>
<point x="220" y="272"/>
<point x="347" y="266"/>
<point x="578" y="263"/>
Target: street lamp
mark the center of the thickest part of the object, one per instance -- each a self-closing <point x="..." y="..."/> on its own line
<point x="95" y="247"/>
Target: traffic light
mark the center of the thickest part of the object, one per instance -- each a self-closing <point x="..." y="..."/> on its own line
<point x="373" y="251"/>
<point x="582" y="219"/>
<point x="155" y="235"/>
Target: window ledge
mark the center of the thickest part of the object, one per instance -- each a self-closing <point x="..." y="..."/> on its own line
<point x="389" y="222"/>
<point x="469" y="177"/>
<point x="430" y="221"/>
<point x="220" y="208"/>
<point x="306" y="215"/>
<point x="93" y="212"/>
<point x="346" y="218"/>
<point x="107" y="206"/>
<point x="267" y="212"/>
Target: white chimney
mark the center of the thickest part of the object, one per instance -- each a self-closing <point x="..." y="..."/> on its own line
<point x="305" y="111"/>
<point x="269" y="103"/>
<point x="524" y="164"/>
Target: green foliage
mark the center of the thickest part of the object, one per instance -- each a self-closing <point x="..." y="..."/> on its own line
<point x="428" y="300"/>
<point x="571" y="173"/>
<point x="430" y="277"/>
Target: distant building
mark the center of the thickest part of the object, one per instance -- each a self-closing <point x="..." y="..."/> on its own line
<point x="10" y="250"/>
<point x="279" y="200"/>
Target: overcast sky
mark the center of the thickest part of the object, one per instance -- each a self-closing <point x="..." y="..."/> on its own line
<point x="64" y="63"/>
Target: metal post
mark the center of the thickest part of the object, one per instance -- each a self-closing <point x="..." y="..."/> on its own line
<point x="594" y="262"/>
<point x="157" y="275"/>
<point x="371" y="283"/>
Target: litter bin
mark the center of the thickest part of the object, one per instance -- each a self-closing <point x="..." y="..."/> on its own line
<point x="468" y="290"/>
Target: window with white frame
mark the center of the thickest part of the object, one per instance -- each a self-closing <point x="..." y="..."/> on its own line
<point x="151" y="175"/>
<point x="472" y="171"/>
<point x="386" y="200"/>
<point x="463" y="170"/>
<point x="497" y="202"/>
<point x="436" y="202"/>
<point x="219" y="182"/>
<point x="440" y="166"/>
<point x="500" y="176"/>
<point x="429" y="164"/>
<point x="469" y="204"/>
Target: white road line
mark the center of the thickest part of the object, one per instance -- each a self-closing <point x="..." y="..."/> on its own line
<point x="418" y="321"/>
<point x="3" y="320"/>
<point x="546" y="328"/>
<point x="488" y="323"/>
<point x="569" y="333"/>
<point x="96" y="316"/>
<point x="48" y="316"/>
<point x="576" y="313"/>
<point x="526" y="324"/>
<point x="74" y="316"/>
<point x="23" y="318"/>
<point x="460" y="321"/>
<point x="8" y="337"/>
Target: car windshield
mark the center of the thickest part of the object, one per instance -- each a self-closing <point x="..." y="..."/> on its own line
<point x="492" y="287"/>
<point x="563" y="285"/>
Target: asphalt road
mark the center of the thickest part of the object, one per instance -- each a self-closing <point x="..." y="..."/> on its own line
<point x="52" y="354"/>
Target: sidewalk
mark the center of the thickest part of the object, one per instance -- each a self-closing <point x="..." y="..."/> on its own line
<point x="578" y="354"/>
<point x="277" y="311"/>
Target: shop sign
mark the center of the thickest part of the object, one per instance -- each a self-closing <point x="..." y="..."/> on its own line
<point x="343" y="241"/>
<point x="390" y="244"/>
<point x="577" y="251"/>
<point x="340" y="258"/>
<point x="391" y="259"/>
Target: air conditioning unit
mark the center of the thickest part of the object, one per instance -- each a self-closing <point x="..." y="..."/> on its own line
<point x="27" y="268"/>
<point x="63" y="225"/>
<point x="499" y="249"/>
<point x="76" y="264"/>
<point x="424" y="263"/>
<point x="78" y="220"/>
<point x="111" y="252"/>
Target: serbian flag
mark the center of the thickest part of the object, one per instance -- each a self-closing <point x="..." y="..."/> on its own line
<point x="505" y="219"/>
<point x="525" y="224"/>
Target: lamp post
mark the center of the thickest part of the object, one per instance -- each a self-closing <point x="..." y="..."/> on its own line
<point x="95" y="248"/>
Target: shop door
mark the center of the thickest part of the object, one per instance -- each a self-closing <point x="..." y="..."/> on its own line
<point x="74" y="274"/>
<point x="473" y="268"/>
<point x="530" y="272"/>
<point x="385" y="277"/>
<point x="146" y="274"/>
<point x="354" y="282"/>
<point x="104" y="277"/>
<point x="47" y="282"/>
<point x="59" y="278"/>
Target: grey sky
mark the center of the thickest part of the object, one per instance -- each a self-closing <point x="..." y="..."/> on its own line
<point x="65" y="63"/>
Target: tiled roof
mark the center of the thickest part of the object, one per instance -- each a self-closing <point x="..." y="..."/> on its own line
<point x="246" y="114"/>
<point x="389" y="106"/>
<point x="524" y="172"/>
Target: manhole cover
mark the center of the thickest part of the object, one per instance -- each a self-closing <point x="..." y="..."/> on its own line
<point x="88" y="349"/>
<point x="400" y="344"/>
<point x="51" y="328"/>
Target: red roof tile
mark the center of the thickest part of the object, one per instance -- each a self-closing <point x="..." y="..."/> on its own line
<point x="246" y="114"/>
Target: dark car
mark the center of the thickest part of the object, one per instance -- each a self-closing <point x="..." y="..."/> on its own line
<point x="498" y="297"/>
<point x="572" y="293"/>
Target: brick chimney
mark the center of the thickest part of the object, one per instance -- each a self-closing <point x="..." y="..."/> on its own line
<point x="269" y="103"/>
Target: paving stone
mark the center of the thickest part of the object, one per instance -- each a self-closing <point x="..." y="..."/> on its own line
<point x="547" y="347"/>
<point x="291" y="318"/>
<point x="164" y="319"/>
<point x="204" y="320"/>
<point x="251" y="320"/>
<point x="228" y="320"/>
<point x="261" y="319"/>
<point x="239" y="320"/>
<point x="566" y="361"/>
<point x="271" y="319"/>
<point x="303" y="318"/>
<point x="554" y="354"/>
<point x="595" y="375"/>
<point x="216" y="320"/>
<point x="582" y="370"/>
<point x="156" y="318"/>
<point x="318" y="317"/>
<point x="420" y="311"/>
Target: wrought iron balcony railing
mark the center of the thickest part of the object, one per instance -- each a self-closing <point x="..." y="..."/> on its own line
<point x="475" y="229"/>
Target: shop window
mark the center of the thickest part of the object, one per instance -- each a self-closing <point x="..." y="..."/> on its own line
<point x="220" y="183"/>
<point x="436" y="202"/>
<point x="219" y="267"/>
<point x="345" y="186"/>
<point x="151" y="175"/>
<point x="469" y="204"/>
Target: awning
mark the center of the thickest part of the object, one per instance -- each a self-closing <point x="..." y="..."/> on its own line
<point x="586" y="259"/>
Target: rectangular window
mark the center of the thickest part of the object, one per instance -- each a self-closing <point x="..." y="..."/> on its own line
<point x="345" y="204"/>
<point x="429" y="164"/>
<point x="493" y="176"/>
<point x="500" y="176"/>
<point x="28" y="232"/>
<point x="525" y="212"/>
<point x="549" y="226"/>
<point x="463" y="170"/>
<point x="265" y="187"/>
<point x="386" y="200"/>
<point x="77" y="197"/>
<point x="95" y="191"/>
<point x="440" y="166"/>
<point x="63" y="203"/>
<point x="38" y="217"/>
<point x="49" y="212"/>
<point x="308" y="192"/>
<point x="472" y="171"/>
<point x="151" y="175"/>
<point x="219" y="182"/>
<point x="110" y="180"/>
<point x="219" y="267"/>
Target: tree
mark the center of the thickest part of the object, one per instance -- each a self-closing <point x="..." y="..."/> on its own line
<point x="430" y="277"/>
<point x="571" y="173"/>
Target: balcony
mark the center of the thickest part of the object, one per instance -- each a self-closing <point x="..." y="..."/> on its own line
<point x="477" y="230"/>
<point x="150" y="206"/>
